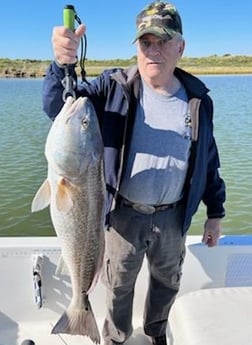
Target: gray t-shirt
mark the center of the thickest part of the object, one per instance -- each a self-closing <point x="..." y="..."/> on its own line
<point x="160" y="148"/>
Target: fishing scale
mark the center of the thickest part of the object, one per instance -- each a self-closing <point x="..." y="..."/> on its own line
<point x="69" y="83"/>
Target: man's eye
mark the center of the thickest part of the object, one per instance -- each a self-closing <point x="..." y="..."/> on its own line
<point x="161" y="43"/>
<point x="145" y="44"/>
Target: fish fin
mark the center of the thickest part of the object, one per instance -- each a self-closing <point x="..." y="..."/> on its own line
<point x="64" y="200"/>
<point x="94" y="282"/>
<point x="61" y="267"/>
<point x="42" y="198"/>
<point x="78" y="321"/>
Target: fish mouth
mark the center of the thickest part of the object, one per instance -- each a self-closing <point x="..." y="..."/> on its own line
<point x="74" y="107"/>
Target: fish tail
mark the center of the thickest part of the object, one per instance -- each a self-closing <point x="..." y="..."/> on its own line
<point x="78" y="321"/>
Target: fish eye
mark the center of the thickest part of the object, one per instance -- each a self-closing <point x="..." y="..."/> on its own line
<point x="85" y="122"/>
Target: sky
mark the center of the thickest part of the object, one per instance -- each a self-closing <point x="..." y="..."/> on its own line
<point x="209" y="27"/>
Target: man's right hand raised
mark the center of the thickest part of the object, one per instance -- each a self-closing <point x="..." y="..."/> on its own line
<point x="65" y="43"/>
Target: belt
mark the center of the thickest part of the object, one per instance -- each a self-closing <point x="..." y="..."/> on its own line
<point x="147" y="209"/>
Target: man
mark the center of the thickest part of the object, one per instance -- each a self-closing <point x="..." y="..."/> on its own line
<point x="161" y="161"/>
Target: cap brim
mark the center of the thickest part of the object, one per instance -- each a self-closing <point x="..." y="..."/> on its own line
<point x="157" y="31"/>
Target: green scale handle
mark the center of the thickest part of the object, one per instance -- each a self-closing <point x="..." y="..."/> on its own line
<point x="68" y="82"/>
<point x="69" y="17"/>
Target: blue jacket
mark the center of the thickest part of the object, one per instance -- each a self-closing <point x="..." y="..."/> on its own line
<point x="114" y="95"/>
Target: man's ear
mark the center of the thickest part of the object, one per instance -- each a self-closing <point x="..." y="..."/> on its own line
<point x="181" y="47"/>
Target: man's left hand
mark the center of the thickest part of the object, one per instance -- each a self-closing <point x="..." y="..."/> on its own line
<point x="212" y="232"/>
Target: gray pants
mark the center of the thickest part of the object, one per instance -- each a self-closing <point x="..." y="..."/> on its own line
<point x="131" y="236"/>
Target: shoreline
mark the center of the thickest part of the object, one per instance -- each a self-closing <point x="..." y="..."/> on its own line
<point x="95" y="71"/>
<point x="212" y="65"/>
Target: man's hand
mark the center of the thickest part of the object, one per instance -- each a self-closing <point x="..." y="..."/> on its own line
<point x="212" y="232"/>
<point x="65" y="43"/>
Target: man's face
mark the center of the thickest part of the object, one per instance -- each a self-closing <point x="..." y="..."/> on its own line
<point x="157" y="58"/>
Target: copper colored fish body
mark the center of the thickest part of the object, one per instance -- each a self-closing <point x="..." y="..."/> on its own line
<point x="75" y="191"/>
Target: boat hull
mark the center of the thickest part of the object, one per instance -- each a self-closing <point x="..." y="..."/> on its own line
<point x="32" y="296"/>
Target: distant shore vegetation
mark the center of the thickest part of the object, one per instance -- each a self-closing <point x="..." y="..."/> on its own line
<point x="214" y="64"/>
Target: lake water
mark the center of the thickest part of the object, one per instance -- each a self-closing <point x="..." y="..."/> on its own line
<point x="24" y="128"/>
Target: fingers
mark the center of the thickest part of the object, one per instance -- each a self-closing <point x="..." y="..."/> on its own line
<point x="66" y="43"/>
<point x="212" y="232"/>
<point x="80" y="31"/>
<point x="211" y="240"/>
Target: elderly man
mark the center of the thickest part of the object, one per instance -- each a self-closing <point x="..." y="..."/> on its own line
<point x="161" y="161"/>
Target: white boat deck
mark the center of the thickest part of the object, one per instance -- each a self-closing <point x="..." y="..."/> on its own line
<point x="206" y="269"/>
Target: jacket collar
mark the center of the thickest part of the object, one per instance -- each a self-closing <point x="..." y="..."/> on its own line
<point x="193" y="85"/>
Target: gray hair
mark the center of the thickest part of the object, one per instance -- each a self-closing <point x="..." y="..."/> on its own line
<point x="179" y="37"/>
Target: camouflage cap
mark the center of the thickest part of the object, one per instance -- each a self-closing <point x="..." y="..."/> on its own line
<point x="158" y="18"/>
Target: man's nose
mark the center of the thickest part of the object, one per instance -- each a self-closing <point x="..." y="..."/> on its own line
<point x="154" y="49"/>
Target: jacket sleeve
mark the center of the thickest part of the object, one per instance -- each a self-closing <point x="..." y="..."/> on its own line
<point x="214" y="195"/>
<point x="53" y="90"/>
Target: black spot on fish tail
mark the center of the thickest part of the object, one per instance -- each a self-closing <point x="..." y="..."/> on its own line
<point x="78" y="321"/>
<point x="86" y="301"/>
